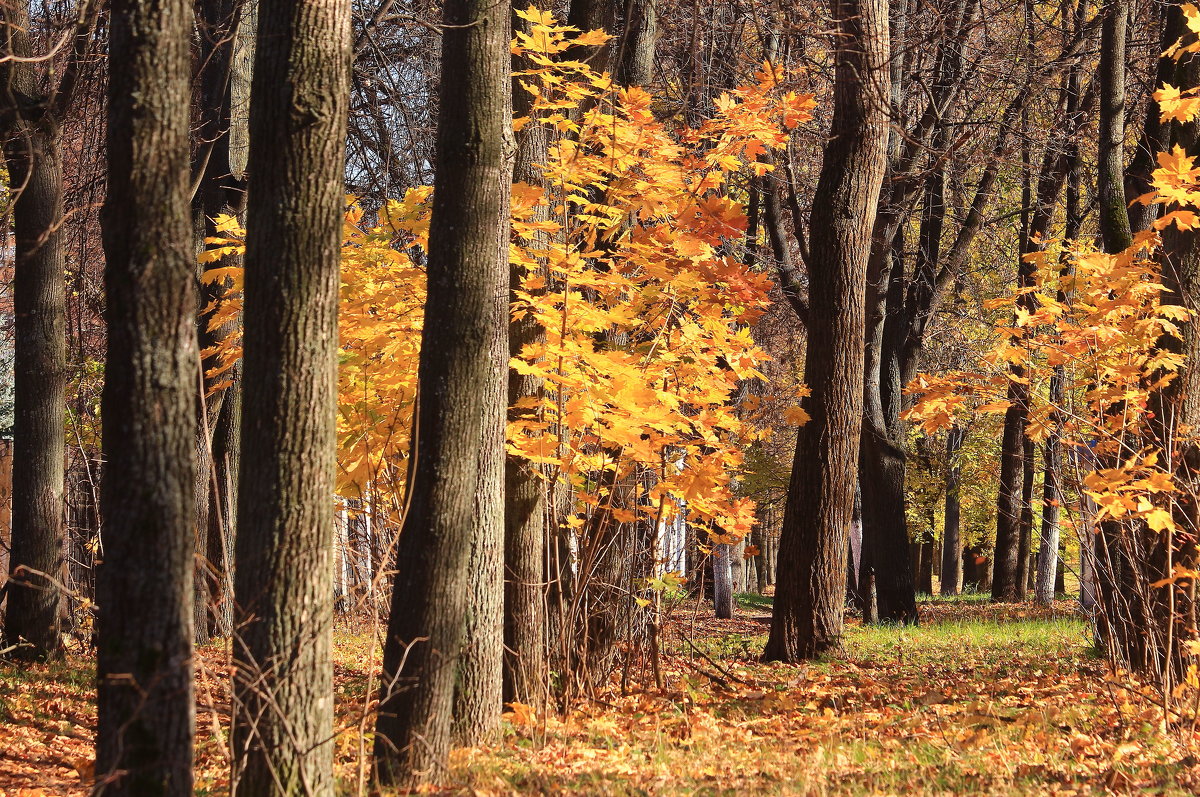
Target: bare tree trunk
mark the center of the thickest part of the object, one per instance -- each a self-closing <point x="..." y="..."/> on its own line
<point x="1177" y="407"/>
<point x="478" y="698"/>
<point x="468" y="234"/>
<point x="723" y="581"/>
<point x="144" y="585"/>
<point x="31" y="151"/>
<point x="925" y="573"/>
<point x="952" y="575"/>
<point x="810" y="601"/>
<point x="529" y="518"/>
<point x="283" y="681"/>
<point x="1025" y="541"/>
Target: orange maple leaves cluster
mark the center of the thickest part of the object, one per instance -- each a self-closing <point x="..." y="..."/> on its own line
<point x="628" y="250"/>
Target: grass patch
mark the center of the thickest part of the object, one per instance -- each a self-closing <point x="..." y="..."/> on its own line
<point x="753" y="602"/>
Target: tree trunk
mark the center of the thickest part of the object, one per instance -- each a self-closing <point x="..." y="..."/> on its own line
<point x="952" y="574"/>
<point x="283" y="682"/>
<point x="1006" y="562"/>
<point x="854" y="553"/>
<point x="925" y="573"/>
<point x="639" y="32"/>
<point x="222" y="514"/>
<point x="144" y="585"/>
<point x="885" y="531"/>
<point x="1177" y="407"/>
<point x="1047" y="562"/>
<point x="478" y="699"/>
<point x="810" y="601"/>
<point x="723" y="581"/>
<point x="36" y="565"/>
<point x="31" y="150"/>
<point x="1110" y="182"/>
<point x="219" y="192"/>
<point x="528" y="518"/>
<point x="227" y="433"/>
<point x="468" y="234"/>
<point x="1025" y="540"/>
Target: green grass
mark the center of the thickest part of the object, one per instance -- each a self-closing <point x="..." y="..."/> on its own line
<point x="753" y="602"/>
<point x="966" y="639"/>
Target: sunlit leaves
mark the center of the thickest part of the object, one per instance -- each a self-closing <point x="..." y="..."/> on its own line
<point x="645" y="311"/>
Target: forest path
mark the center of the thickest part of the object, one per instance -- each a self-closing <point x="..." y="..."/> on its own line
<point x="979" y="699"/>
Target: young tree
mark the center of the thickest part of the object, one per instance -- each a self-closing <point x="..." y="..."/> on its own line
<point x="144" y="587"/>
<point x="468" y="269"/>
<point x="220" y="190"/>
<point x="283" y="686"/>
<point x="31" y="110"/>
<point x="810" y="598"/>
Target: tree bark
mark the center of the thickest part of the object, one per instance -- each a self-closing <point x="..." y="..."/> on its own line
<point x="883" y="459"/>
<point x="1025" y="540"/>
<point x="31" y="150"/>
<point x="1114" y="220"/>
<point x="468" y="233"/>
<point x="1047" y="561"/>
<point x="144" y="585"/>
<point x="723" y="581"/>
<point x="283" y="681"/>
<point x="529" y="520"/>
<point x="810" y="600"/>
<point x="952" y="575"/>
<point x="479" y="691"/>
<point x="1177" y="407"/>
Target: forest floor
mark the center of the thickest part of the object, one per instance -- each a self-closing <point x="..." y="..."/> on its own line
<point x="979" y="699"/>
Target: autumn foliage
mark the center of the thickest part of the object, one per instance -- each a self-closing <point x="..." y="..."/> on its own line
<point x="634" y="277"/>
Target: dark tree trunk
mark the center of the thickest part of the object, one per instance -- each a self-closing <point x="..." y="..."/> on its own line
<point x="1177" y="407"/>
<point x="723" y="581"/>
<point x="925" y="572"/>
<point x="1155" y="137"/>
<point x="31" y="150"/>
<point x="952" y="574"/>
<point x="144" y="585"/>
<point x="883" y="461"/>
<point x="639" y="31"/>
<point x="810" y="599"/>
<point x="468" y="233"/>
<point x="1005" y="565"/>
<point x="1014" y="506"/>
<point x="36" y="565"/>
<point x="283" y="682"/>
<point x="1114" y="220"/>
<point x="528" y="520"/>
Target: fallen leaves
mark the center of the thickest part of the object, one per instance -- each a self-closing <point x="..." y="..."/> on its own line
<point x="981" y="698"/>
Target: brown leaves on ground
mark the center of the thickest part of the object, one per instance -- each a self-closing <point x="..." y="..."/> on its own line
<point x="981" y="698"/>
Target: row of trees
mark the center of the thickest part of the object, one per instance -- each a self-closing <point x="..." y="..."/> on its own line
<point x="595" y="274"/>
